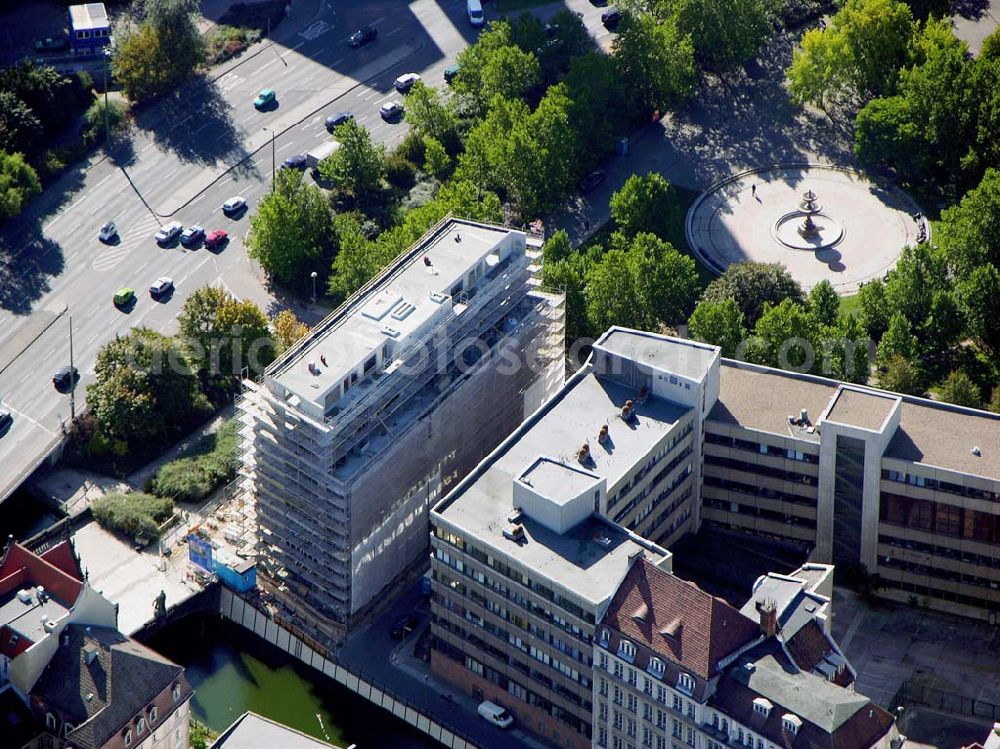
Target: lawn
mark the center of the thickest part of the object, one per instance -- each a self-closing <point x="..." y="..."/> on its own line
<point x="850" y="304"/>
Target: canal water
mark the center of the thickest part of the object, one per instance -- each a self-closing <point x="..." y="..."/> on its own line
<point x="232" y="672"/>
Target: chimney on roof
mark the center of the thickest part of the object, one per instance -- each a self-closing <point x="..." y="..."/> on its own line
<point x="768" y="611"/>
<point x="627" y="410"/>
<point x="583" y="455"/>
<point x="602" y="436"/>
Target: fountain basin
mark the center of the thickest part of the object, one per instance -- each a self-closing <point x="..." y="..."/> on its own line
<point x="827" y="232"/>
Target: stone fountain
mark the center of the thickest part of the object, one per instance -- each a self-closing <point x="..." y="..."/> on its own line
<point x="808" y="227"/>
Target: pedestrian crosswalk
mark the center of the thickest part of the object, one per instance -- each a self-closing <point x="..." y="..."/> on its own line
<point x="139" y="233"/>
<point x="229" y="81"/>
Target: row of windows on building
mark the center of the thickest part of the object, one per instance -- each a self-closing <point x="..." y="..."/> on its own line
<point x="941" y="486"/>
<point x="764" y="492"/>
<point x="652" y="463"/>
<point x="948" y="552"/>
<point x="751" y="511"/>
<point x="939" y="518"/>
<point x="924" y="570"/>
<point x="655" y="667"/>
<point x="761" y="448"/>
<point x="663" y="494"/>
<point x="921" y="589"/>
<point x="775" y="473"/>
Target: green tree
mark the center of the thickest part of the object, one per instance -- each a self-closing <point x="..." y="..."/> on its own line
<point x="857" y="56"/>
<point x="719" y="323"/>
<point x="897" y="341"/>
<point x="845" y="350"/>
<point x="463" y="199"/>
<point x="725" y="33"/>
<point x="980" y="298"/>
<point x="357" y="261"/>
<point x="431" y="116"/>
<point x="958" y="388"/>
<point x="556" y="247"/>
<point x="646" y="204"/>
<point x="787" y="337"/>
<point x="656" y="63"/>
<point x="874" y="308"/>
<point x="18" y="184"/>
<point x="436" y="159"/>
<point x="919" y="273"/>
<point x="901" y="375"/>
<point x="288" y="329"/>
<point x="145" y="388"/>
<point x="54" y="99"/>
<point x="944" y="325"/>
<point x="644" y="284"/>
<point x="292" y="230"/>
<point x="994" y="404"/>
<point x="598" y="107"/>
<point x="824" y="303"/>
<point x="359" y="164"/>
<point x="570" y="275"/>
<point x="20" y="129"/>
<point x="969" y="233"/>
<point x="752" y="285"/>
<point x="98" y="115"/>
<point x="224" y="335"/>
<point x="494" y="66"/>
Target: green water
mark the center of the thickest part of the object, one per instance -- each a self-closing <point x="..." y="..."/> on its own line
<point x="232" y="672"/>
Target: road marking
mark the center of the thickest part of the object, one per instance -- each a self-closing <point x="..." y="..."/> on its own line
<point x="337" y="61"/>
<point x="314" y="30"/>
<point x="178" y="124"/>
<point x="94" y="337"/>
<point x="285" y="147"/>
<point x="394" y="31"/>
<point x="169" y="174"/>
<point x="75" y="253"/>
<point x="200" y="128"/>
<point x="146" y="148"/>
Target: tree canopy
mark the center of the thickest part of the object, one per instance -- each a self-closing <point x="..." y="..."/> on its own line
<point x="655" y="62"/>
<point x="752" y="285"/>
<point x="18" y="184"/>
<point x="358" y="165"/>
<point x="719" y="323"/>
<point x="645" y="204"/>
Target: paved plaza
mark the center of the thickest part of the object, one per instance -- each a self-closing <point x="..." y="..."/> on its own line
<point x="857" y="228"/>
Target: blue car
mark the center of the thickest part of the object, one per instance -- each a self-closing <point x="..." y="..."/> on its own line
<point x="298" y="161"/>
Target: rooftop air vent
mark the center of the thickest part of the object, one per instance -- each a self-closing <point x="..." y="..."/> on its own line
<point x="49" y="626"/>
<point x="437" y="297"/>
<point x="24" y="596"/>
<point x="603" y="436"/>
<point x="402" y="310"/>
<point x="390" y="331"/>
<point x="583" y="454"/>
<point x="458" y="236"/>
<point x="601" y="540"/>
<point x="750" y="667"/>
<point x="514" y="516"/>
<point x="628" y="410"/>
<point x="804" y="416"/>
<point x="976" y="451"/>
<point x="643" y="394"/>
<point x="514" y="532"/>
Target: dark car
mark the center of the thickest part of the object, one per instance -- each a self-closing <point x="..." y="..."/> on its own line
<point x="611" y="18"/>
<point x="336" y="120"/>
<point x="298" y="161"/>
<point x="5" y="420"/>
<point x="362" y="36"/>
<point x="404" y="627"/>
<point x="192" y="236"/>
<point x="65" y="379"/>
<point x="592" y="180"/>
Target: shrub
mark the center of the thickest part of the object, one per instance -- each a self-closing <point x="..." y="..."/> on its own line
<point x="133" y="514"/>
<point x="95" y="118"/>
<point x="399" y="172"/>
<point x="193" y="477"/>
<point x="411" y="148"/>
<point x="226" y="42"/>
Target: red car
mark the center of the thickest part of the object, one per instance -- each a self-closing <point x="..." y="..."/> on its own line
<point x="216" y="238"/>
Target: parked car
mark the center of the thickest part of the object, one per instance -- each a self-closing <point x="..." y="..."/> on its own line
<point x="391" y="110"/>
<point x="234" y="206"/>
<point x="592" y="180"/>
<point x="65" y="378"/>
<point x="495" y="714"/>
<point x="450" y="73"/>
<point x="108" y="232"/>
<point x="404" y="627"/>
<point x="611" y="18"/>
<point x="405" y="82"/>
<point x="336" y="120"/>
<point x="169" y="232"/>
<point x="362" y="36"/>
<point x="192" y="236"/>
<point x="298" y="161"/>
<point x="265" y="98"/>
<point x="161" y="286"/>
<point x="216" y="238"/>
<point x="51" y="43"/>
<point x="5" y="421"/>
<point x="124" y="296"/>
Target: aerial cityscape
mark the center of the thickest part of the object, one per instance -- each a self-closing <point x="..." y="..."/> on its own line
<point x="499" y="374"/>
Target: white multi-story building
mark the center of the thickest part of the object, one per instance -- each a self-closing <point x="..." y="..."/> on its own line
<point x="358" y="428"/>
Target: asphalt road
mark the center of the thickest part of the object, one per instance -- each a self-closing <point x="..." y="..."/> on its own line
<point x="185" y="157"/>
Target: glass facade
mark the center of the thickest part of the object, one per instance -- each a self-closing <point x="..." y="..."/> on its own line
<point x="848" y="498"/>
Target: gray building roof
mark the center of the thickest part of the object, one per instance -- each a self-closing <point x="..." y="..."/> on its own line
<point x="938" y="434"/>
<point x="592" y="558"/>
<point x="99" y="680"/>
<point x="684" y="357"/>
<point x="28" y="619"/>
<point x="253" y="731"/>
<point x="88" y="16"/>
<point x="861" y="408"/>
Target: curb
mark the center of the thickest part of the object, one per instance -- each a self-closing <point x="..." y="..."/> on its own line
<point x="30" y="343"/>
<point x="260" y="148"/>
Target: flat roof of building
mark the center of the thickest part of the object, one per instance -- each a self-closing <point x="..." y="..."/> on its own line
<point x="681" y="356"/>
<point x="861" y="408"/>
<point x="88" y="16"/>
<point x="404" y="297"/>
<point x="939" y="434"/>
<point x="557" y="481"/>
<point x="592" y="558"/>
<point x="931" y="433"/>
<point x="28" y="619"/>
<point x="253" y="731"/>
<point x="762" y="399"/>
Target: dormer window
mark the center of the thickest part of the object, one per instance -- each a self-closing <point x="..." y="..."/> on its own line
<point x="68" y="729"/>
<point x="685" y="683"/>
<point x="626" y="650"/>
<point x="656" y="667"/>
<point x="128" y="738"/>
<point x="791" y="723"/>
<point x="140" y="727"/>
<point x="605" y="637"/>
<point x="762" y="706"/>
<point x="177" y="692"/>
<point x="152" y="714"/>
<point x="50" y="722"/>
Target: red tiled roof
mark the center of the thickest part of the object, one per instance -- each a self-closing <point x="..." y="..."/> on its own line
<point x="808" y="646"/>
<point x="20" y="566"/>
<point x="680" y="622"/>
<point x="61" y="556"/>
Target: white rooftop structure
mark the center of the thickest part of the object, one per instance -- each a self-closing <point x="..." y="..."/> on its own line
<point x="88" y="16"/>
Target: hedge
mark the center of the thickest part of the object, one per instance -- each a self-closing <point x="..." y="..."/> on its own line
<point x="135" y="514"/>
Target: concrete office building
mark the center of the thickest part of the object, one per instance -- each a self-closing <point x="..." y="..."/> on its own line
<point x="677" y="667"/>
<point x="353" y="432"/>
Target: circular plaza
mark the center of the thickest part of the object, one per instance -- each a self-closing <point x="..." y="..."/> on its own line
<point x="818" y="221"/>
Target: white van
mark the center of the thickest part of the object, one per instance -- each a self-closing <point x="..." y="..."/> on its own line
<point x="475" y="10"/>
<point x="495" y="714"/>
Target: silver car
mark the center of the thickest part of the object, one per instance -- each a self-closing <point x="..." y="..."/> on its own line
<point x="169" y="232"/>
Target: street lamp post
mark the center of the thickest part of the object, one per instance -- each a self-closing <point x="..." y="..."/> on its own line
<point x="107" y="133"/>
<point x="313" y="275"/>
<point x="72" y="375"/>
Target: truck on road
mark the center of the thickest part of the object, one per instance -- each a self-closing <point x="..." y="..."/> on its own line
<point x="320" y="152"/>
